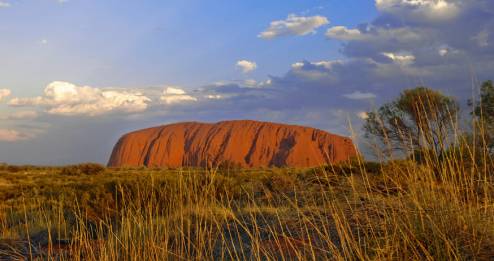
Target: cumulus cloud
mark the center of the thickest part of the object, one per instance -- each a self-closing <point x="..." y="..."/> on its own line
<point x="294" y="25"/>
<point x="265" y="83"/>
<point x="315" y="70"/>
<point x="21" y="115"/>
<point x="443" y="51"/>
<point x="399" y="36"/>
<point x="176" y="95"/>
<point x="358" y="95"/>
<point x="173" y="91"/>
<point x="435" y="10"/>
<point x="319" y="64"/>
<point x="63" y="98"/>
<point x="246" y="66"/>
<point x="214" y="96"/>
<point x="297" y="65"/>
<point x="10" y="135"/>
<point x="396" y="51"/>
<point x="404" y="59"/>
<point x="377" y="35"/>
<point x="4" y="93"/>
<point x="343" y="33"/>
<point x="251" y="83"/>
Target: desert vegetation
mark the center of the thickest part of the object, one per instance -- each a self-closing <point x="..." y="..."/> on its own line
<point x="428" y="196"/>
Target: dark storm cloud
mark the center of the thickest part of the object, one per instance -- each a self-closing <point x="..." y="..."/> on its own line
<point x="442" y="48"/>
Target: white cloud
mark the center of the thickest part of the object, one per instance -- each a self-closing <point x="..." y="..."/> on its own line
<point x="246" y="66"/>
<point x="446" y="50"/>
<point x="432" y="10"/>
<point x="443" y="51"/>
<point x="294" y="25"/>
<point x="4" y="4"/>
<point x="173" y="91"/>
<point x="315" y="70"/>
<point x="403" y="59"/>
<point x="4" y="93"/>
<point x="174" y="95"/>
<point x="402" y="35"/>
<point x="297" y="65"/>
<point x="24" y="102"/>
<point x="251" y="83"/>
<point x="373" y="35"/>
<point x="343" y="33"/>
<point x="267" y="82"/>
<point x="328" y="65"/>
<point x="21" y="115"/>
<point x="358" y="95"/>
<point x="214" y="96"/>
<point x="63" y="98"/>
<point x="10" y="135"/>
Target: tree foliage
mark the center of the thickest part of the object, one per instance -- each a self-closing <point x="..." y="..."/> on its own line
<point x="483" y="110"/>
<point x="420" y="118"/>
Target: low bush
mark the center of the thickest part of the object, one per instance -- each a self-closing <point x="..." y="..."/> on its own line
<point x="85" y="169"/>
<point x="229" y="165"/>
<point x="350" y="167"/>
<point x="13" y="169"/>
<point x="16" y="168"/>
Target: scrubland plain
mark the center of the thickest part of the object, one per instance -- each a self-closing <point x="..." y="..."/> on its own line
<point x="438" y="208"/>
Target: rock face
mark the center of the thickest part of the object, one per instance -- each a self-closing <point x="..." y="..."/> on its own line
<point x="244" y="143"/>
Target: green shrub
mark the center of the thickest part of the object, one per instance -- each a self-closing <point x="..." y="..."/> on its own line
<point x="348" y="168"/>
<point x="83" y="169"/>
<point x="228" y="165"/>
<point x="13" y="169"/>
<point x="19" y="168"/>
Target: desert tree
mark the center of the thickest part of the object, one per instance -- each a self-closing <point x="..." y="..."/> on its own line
<point x="483" y="111"/>
<point x="420" y="118"/>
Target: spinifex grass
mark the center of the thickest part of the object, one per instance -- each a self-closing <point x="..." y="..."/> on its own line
<point x="440" y="207"/>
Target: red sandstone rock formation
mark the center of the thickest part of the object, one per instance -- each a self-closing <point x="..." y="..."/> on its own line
<point x="244" y="143"/>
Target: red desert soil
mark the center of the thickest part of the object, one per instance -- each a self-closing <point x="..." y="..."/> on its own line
<point x="244" y="143"/>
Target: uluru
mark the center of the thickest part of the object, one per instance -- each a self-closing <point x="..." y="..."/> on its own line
<point x="244" y="143"/>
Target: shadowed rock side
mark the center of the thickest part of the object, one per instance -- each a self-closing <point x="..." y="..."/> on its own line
<point x="244" y="143"/>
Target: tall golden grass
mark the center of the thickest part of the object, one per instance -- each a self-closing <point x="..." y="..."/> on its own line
<point x="441" y="208"/>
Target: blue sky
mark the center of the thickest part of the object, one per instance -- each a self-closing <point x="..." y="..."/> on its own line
<point x="138" y="43"/>
<point x="76" y="74"/>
